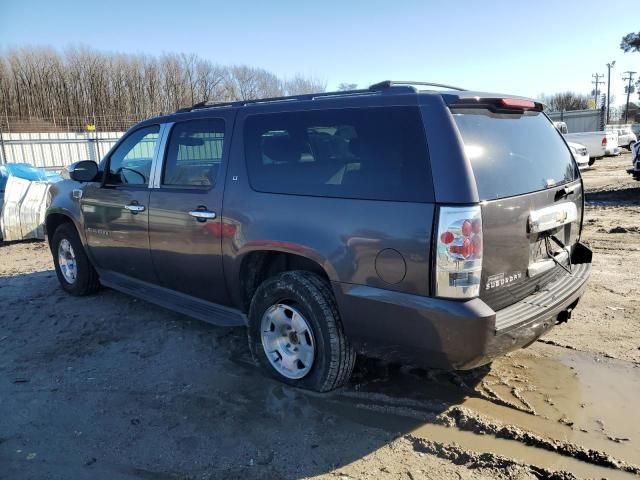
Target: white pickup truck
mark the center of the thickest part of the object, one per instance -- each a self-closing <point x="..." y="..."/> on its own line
<point x="599" y="144"/>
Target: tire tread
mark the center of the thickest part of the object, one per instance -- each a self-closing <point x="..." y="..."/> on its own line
<point x="91" y="283"/>
<point x="341" y="355"/>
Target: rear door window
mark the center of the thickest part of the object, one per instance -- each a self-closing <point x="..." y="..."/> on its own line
<point x="194" y="153"/>
<point x="512" y="154"/>
<point x="374" y="153"/>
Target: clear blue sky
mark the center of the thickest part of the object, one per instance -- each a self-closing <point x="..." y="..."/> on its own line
<point x="506" y="46"/>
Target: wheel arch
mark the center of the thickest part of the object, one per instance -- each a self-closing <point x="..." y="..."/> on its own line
<point x="57" y="217"/>
<point x="259" y="264"/>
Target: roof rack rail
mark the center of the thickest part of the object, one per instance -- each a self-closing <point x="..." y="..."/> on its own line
<point x="306" y="96"/>
<point x="394" y="83"/>
<point x="376" y="88"/>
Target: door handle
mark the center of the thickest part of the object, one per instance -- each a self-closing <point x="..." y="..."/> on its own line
<point x="202" y="215"/>
<point x="134" y="208"/>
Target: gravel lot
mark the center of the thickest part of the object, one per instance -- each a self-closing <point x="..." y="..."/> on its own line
<point x="112" y="387"/>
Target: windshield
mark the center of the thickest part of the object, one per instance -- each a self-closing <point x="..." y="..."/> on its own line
<point x="512" y="154"/>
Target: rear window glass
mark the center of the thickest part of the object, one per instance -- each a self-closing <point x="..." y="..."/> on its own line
<point x="374" y="153"/>
<point x="512" y="154"/>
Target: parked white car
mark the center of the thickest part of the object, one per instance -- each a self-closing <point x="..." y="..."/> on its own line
<point x="580" y="153"/>
<point x="626" y="138"/>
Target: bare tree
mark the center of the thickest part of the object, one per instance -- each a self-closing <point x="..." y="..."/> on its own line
<point x="300" y="85"/>
<point x="565" y="101"/>
<point x="347" y="86"/>
<point x="86" y="84"/>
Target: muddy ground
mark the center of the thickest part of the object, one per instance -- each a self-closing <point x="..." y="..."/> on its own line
<point x="109" y="387"/>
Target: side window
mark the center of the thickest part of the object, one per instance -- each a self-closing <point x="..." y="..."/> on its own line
<point x="375" y="153"/>
<point x="194" y="153"/>
<point x="130" y="164"/>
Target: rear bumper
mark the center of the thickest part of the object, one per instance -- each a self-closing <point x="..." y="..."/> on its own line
<point x="453" y="334"/>
<point x="611" y="151"/>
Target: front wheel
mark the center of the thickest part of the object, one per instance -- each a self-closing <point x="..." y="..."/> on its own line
<point x="296" y="333"/>
<point x="73" y="268"/>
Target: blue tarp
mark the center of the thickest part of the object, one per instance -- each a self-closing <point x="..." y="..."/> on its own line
<point x="26" y="171"/>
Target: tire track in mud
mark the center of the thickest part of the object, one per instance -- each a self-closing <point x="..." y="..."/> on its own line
<point x="553" y="343"/>
<point x="460" y="456"/>
<point x="612" y="196"/>
<point x="487" y="393"/>
<point x="464" y="419"/>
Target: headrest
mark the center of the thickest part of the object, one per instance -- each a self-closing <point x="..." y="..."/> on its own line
<point x="280" y="148"/>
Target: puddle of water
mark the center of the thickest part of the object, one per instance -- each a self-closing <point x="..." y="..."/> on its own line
<point x="578" y="398"/>
<point x="558" y="394"/>
<point x="518" y="451"/>
<point x="468" y="440"/>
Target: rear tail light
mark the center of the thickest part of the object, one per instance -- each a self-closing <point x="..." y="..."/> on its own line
<point x="458" y="252"/>
<point x="604" y="141"/>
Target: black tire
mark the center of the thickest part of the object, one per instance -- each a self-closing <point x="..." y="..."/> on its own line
<point x="592" y="160"/>
<point x="334" y="356"/>
<point x="86" y="281"/>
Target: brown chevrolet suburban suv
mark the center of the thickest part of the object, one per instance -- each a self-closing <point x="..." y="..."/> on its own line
<point x="414" y="222"/>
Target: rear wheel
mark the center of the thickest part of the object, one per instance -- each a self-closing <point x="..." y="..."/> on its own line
<point x="296" y="334"/>
<point x="73" y="268"/>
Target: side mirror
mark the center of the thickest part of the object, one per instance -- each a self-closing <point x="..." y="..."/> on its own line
<point x="83" y="171"/>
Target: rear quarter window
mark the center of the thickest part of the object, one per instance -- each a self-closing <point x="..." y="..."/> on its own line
<point x="513" y="154"/>
<point x="367" y="153"/>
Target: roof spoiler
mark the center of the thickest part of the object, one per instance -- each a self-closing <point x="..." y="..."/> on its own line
<point x="396" y="83"/>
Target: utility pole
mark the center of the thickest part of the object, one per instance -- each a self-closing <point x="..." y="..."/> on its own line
<point x="629" y="79"/>
<point x="597" y="82"/>
<point x="609" y="67"/>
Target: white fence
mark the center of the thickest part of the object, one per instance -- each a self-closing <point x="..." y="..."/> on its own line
<point x="51" y="150"/>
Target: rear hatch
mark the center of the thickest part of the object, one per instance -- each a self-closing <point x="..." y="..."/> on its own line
<point x="531" y="196"/>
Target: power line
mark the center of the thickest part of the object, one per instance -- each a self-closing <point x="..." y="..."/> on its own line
<point x="597" y="82"/>
<point x="630" y="80"/>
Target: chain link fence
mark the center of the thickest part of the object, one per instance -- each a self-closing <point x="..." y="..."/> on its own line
<point x="59" y="141"/>
<point x="107" y="123"/>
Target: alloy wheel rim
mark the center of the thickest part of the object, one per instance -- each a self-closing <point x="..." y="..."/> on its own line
<point x="67" y="261"/>
<point x="288" y="341"/>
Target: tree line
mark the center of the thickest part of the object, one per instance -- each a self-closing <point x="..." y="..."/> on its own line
<point x="82" y="82"/>
<point x="565" y="101"/>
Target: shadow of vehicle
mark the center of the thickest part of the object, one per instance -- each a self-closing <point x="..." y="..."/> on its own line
<point x="112" y="387"/>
